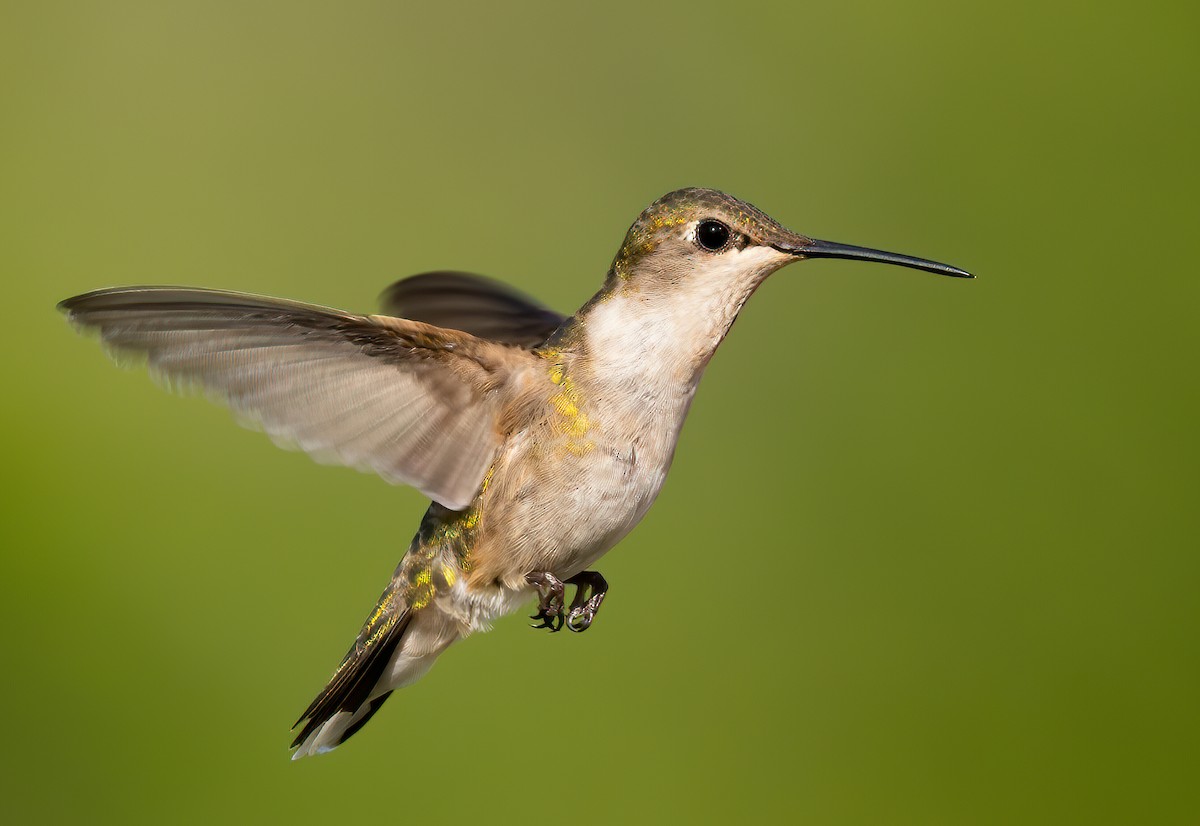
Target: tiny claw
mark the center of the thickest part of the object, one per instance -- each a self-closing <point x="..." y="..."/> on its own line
<point x="550" y="604"/>
<point x="580" y="620"/>
<point x="548" y="621"/>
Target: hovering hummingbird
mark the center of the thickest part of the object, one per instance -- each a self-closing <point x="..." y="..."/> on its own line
<point x="542" y="440"/>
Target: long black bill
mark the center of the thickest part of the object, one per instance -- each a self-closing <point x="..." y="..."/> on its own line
<point x="813" y="248"/>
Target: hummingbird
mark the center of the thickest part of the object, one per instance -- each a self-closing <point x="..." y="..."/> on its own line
<point x="541" y="439"/>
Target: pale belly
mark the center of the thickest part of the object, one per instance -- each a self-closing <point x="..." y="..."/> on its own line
<point x="605" y="506"/>
<point x="569" y="508"/>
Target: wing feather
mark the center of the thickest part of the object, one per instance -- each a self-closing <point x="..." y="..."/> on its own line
<point x="480" y="306"/>
<point x="417" y="404"/>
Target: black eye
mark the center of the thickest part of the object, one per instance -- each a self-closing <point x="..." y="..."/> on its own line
<point x="712" y="235"/>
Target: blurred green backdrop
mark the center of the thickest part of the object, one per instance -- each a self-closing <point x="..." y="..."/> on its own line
<point x="963" y="514"/>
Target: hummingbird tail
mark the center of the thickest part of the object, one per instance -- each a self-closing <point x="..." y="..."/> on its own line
<point x="351" y="696"/>
<point x="396" y="647"/>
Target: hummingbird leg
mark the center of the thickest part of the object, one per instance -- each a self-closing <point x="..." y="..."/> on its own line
<point x="550" y="606"/>
<point x="583" y="611"/>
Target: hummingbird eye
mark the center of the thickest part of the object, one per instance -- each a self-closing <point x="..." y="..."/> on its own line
<point x="712" y="235"/>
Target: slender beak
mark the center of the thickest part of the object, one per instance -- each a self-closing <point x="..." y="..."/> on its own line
<point x="812" y="248"/>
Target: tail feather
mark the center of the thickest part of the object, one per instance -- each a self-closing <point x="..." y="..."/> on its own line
<point x="398" y="643"/>
<point x="350" y="688"/>
<point x="355" y="725"/>
<point x="337" y="729"/>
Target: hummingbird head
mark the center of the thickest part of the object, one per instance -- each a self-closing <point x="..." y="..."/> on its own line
<point x="695" y="234"/>
<point x="687" y="266"/>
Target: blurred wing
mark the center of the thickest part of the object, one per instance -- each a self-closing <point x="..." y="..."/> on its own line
<point x="474" y="304"/>
<point x="416" y="404"/>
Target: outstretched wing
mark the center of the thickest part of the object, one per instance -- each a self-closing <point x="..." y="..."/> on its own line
<point x="474" y="304"/>
<point x="414" y="403"/>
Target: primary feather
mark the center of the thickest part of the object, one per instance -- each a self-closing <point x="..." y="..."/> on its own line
<point x="417" y="404"/>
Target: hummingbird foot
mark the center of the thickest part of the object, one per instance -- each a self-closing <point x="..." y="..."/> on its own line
<point x="552" y="599"/>
<point x="584" y="607"/>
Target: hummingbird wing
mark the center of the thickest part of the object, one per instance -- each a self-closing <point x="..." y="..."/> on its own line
<point x="474" y="304"/>
<point x="417" y="404"/>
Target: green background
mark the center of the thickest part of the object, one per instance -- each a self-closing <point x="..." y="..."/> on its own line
<point x="928" y="553"/>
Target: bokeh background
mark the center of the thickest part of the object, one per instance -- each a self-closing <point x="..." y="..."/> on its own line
<point x="928" y="554"/>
